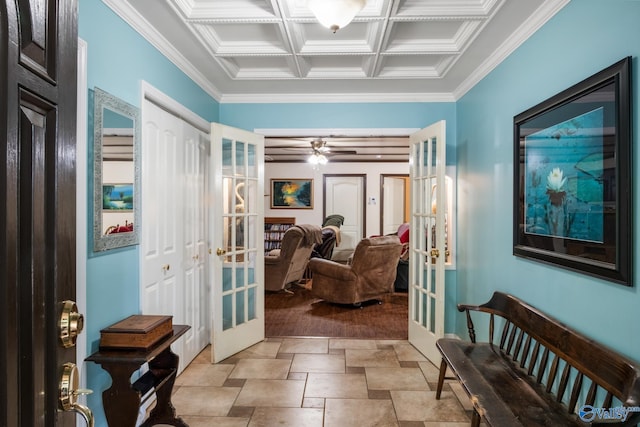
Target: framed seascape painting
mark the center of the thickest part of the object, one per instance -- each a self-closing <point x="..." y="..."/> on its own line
<point x="292" y="193"/>
<point x="117" y="197"/>
<point x="572" y="178"/>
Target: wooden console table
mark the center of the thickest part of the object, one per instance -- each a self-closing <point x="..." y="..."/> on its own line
<point x="123" y="399"/>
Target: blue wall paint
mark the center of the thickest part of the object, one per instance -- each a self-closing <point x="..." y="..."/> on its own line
<point x="403" y="115"/>
<point x="583" y="38"/>
<point x="118" y="60"/>
<point x="337" y="115"/>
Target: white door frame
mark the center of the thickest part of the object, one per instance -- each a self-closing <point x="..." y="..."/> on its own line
<point x="82" y="153"/>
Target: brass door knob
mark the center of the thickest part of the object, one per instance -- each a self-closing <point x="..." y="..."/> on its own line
<point x="435" y="253"/>
<point x="71" y="323"/>
<point x="69" y="392"/>
<point x="220" y="252"/>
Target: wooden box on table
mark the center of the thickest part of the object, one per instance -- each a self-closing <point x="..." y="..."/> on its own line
<point x="137" y="332"/>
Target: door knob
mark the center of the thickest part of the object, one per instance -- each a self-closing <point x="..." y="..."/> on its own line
<point x="69" y="393"/>
<point x="166" y="267"/>
<point x="71" y="323"/>
<point x="435" y="253"/>
<point x="220" y="251"/>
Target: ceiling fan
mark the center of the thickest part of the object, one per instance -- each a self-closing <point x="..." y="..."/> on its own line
<point x="314" y="150"/>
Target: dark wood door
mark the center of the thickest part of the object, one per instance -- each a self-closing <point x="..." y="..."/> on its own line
<point x="38" y="67"/>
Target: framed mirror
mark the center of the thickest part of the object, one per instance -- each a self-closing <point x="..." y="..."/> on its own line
<point x="116" y="174"/>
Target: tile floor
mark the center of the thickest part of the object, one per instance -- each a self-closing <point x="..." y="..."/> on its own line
<point x="315" y="382"/>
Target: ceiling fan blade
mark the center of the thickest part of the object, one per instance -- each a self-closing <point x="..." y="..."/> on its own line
<point x="341" y="152"/>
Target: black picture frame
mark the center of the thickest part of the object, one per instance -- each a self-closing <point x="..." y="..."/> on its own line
<point x="572" y="178"/>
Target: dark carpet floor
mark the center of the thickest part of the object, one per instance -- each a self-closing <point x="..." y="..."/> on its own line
<point x="300" y="314"/>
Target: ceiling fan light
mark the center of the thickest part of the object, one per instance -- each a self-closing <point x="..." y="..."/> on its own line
<point x="313" y="159"/>
<point x="317" y="159"/>
<point x="335" y="14"/>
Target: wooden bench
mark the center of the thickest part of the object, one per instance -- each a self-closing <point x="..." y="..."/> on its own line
<point x="539" y="372"/>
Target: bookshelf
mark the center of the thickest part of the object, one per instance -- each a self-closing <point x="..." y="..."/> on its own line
<point x="274" y="228"/>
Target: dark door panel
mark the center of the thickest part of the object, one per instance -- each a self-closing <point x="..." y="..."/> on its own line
<point x="38" y="50"/>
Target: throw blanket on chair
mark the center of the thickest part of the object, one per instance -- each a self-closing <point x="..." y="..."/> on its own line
<point x="337" y="231"/>
<point x="312" y="233"/>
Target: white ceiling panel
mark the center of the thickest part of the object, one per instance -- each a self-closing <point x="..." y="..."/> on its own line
<point x="394" y="50"/>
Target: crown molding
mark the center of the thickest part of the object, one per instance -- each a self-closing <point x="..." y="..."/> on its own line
<point x="131" y="16"/>
<point x="538" y="19"/>
<point x="303" y="98"/>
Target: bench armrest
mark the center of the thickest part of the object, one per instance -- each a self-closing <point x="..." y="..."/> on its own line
<point x="467" y="309"/>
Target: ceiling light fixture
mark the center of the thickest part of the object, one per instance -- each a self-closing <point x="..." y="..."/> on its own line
<point x="317" y="159"/>
<point x="335" y="14"/>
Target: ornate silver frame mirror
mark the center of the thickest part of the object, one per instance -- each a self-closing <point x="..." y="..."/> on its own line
<point x="116" y="173"/>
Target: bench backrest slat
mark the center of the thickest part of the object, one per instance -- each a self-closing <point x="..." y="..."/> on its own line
<point x="505" y="332"/>
<point x="564" y="380"/>
<point x="543" y="365"/>
<point x="575" y="392"/>
<point x="608" y="400"/>
<point x="534" y="358"/>
<point x="512" y="337"/>
<point x="525" y="352"/>
<point x="591" y="395"/>
<point x="552" y="373"/>
<point x="516" y="349"/>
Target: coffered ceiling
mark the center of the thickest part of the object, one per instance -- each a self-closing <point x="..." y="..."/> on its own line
<point x="394" y="50"/>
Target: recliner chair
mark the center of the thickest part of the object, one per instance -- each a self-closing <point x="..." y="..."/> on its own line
<point x="370" y="275"/>
<point x="287" y="265"/>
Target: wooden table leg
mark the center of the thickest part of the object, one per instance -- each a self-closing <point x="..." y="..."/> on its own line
<point x="164" y="411"/>
<point x="121" y="403"/>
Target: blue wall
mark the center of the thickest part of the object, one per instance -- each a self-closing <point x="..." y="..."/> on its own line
<point x="118" y="60"/>
<point x="583" y="38"/>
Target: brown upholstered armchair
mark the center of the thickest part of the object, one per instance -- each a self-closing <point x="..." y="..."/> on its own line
<point x="370" y="275"/>
<point x="287" y="265"/>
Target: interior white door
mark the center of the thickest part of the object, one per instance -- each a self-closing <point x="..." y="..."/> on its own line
<point x="427" y="239"/>
<point x="161" y="236"/>
<point x="194" y="225"/>
<point x="173" y="271"/>
<point x="237" y="252"/>
<point x="344" y="195"/>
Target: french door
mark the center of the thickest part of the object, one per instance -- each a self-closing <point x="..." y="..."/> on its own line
<point x="236" y="216"/>
<point x="428" y="252"/>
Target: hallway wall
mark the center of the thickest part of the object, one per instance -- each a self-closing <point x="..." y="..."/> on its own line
<point x="582" y="39"/>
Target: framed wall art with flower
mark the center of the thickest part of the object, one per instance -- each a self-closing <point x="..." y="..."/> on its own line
<point x="572" y="178"/>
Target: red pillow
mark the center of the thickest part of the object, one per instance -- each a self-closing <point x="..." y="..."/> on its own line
<point x="403" y="233"/>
